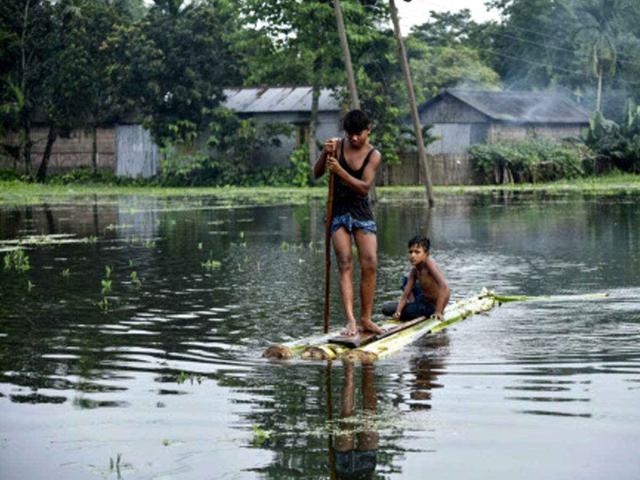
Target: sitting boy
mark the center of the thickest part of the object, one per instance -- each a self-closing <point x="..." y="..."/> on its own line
<point x="425" y="291"/>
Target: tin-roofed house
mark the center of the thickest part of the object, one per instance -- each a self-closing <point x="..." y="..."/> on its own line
<point x="289" y="105"/>
<point x="465" y="118"/>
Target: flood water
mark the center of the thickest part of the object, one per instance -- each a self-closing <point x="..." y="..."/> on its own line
<point x="164" y="379"/>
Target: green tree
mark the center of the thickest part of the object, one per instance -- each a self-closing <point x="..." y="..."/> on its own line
<point x="24" y="29"/>
<point x="172" y="66"/>
<point x="598" y="35"/>
<point x="75" y="92"/>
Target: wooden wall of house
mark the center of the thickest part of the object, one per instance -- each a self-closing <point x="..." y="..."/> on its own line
<point x="449" y="169"/>
<point x="67" y="153"/>
<point x="510" y="132"/>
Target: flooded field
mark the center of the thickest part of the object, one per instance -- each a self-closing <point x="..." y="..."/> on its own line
<point x="131" y="333"/>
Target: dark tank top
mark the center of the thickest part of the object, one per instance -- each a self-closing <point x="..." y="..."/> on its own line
<point x="346" y="200"/>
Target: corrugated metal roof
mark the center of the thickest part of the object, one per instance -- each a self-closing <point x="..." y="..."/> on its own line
<point x="520" y="107"/>
<point x="277" y="99"/>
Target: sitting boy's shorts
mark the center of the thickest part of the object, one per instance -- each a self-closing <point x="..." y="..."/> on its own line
<point x="418" y="308"/>
<point x="351" y="224"/>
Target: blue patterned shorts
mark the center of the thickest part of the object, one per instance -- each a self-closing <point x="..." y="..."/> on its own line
<point x="351" y="224"/>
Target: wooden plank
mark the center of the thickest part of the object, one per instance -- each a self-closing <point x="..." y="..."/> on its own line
<point x="361" y="339"/>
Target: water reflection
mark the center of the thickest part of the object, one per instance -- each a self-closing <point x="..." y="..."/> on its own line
<point x="355" y="447"/>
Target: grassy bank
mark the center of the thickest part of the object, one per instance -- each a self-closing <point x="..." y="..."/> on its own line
<point x="17" y="192"/>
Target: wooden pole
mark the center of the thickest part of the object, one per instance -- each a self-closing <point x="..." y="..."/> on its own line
<point x="412" y="101"/>
<point x="342" y="33"/>
<point x="327" y="254"/>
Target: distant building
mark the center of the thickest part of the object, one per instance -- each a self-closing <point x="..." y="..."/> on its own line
<point x="290" y="105"/>
<point x="465" y="118"/>
<point x="460" y="118"/>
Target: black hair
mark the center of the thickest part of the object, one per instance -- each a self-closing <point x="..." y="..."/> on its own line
<point x="355" y="121"/>
<point x="421" y="241"/>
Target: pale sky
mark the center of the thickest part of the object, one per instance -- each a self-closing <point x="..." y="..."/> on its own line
<point x="416" y="12"/>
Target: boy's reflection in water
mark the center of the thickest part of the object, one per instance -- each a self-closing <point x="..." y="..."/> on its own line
<point x="354" y="450"/>
<point x="426" y="369"/>
<point x="356" y="444"/>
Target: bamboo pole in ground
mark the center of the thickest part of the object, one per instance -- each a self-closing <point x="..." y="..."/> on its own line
<point x="422" y="155"/>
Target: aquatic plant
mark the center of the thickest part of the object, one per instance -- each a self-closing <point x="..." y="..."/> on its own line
<point x="106" y="286"/>
<point x="183" y="377"/>
<point x="211" y="264"/>
<point x="66" y="272"/>
<point x="135" y="280"/>
<point x="260" y="436"/>
<point x="103" y="304"/>
<point x="30" y="285"/>
<point x="199" y="245"/>
<point x="17" y="260"/>
<point x="107" y="271"/>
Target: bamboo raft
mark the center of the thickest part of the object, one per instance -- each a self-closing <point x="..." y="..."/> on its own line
<point x="320" y="348"/>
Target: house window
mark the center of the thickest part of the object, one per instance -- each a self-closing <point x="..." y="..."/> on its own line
<point x="302" y="134"/>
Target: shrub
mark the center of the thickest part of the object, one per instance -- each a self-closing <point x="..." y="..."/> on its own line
<point x="536" y="160"/>
<point x="616" y="145"/>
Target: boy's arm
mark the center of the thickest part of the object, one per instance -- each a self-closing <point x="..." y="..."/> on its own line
<point x="443" y="293"/>
<point x="320" y="166"/>
<point x="368" y="176"/>
<point x="411" y="281"/>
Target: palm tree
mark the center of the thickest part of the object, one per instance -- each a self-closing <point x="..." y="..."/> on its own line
<point x="599" y="32"/>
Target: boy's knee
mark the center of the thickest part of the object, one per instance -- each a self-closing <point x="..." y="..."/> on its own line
<point x="344" y="262"/>
<point x="368" y="263"/>
<point x="389" y="308"/>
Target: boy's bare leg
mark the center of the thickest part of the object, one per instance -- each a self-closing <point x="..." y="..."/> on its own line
<point x="342" y="249"/>
<point x="367" y="246"/>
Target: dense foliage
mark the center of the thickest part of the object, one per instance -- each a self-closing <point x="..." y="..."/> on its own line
<point x="536" y="160"/>
<point x="616" y="145"/>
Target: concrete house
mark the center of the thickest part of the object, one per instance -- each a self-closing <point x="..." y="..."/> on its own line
<point x="465" y="118"/>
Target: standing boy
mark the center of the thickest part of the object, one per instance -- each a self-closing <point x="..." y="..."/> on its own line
<point x="425" y="290"/>
<point x="354" y="163"/>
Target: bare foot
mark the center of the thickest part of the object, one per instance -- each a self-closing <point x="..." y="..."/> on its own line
<point x="351" y="329"/>
<point x="369" y="326"/>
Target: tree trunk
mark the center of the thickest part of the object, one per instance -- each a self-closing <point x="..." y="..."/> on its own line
<point x="342" y="33"/>
<point x="599" y="92"/>
<point x="94" y="148"/>
<point x="41" y="176"/>
<point x="412" y="102"/>
<point x="315" y="101"/>
<point x="26" y="145"/>
<point x="26" y="122"/>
